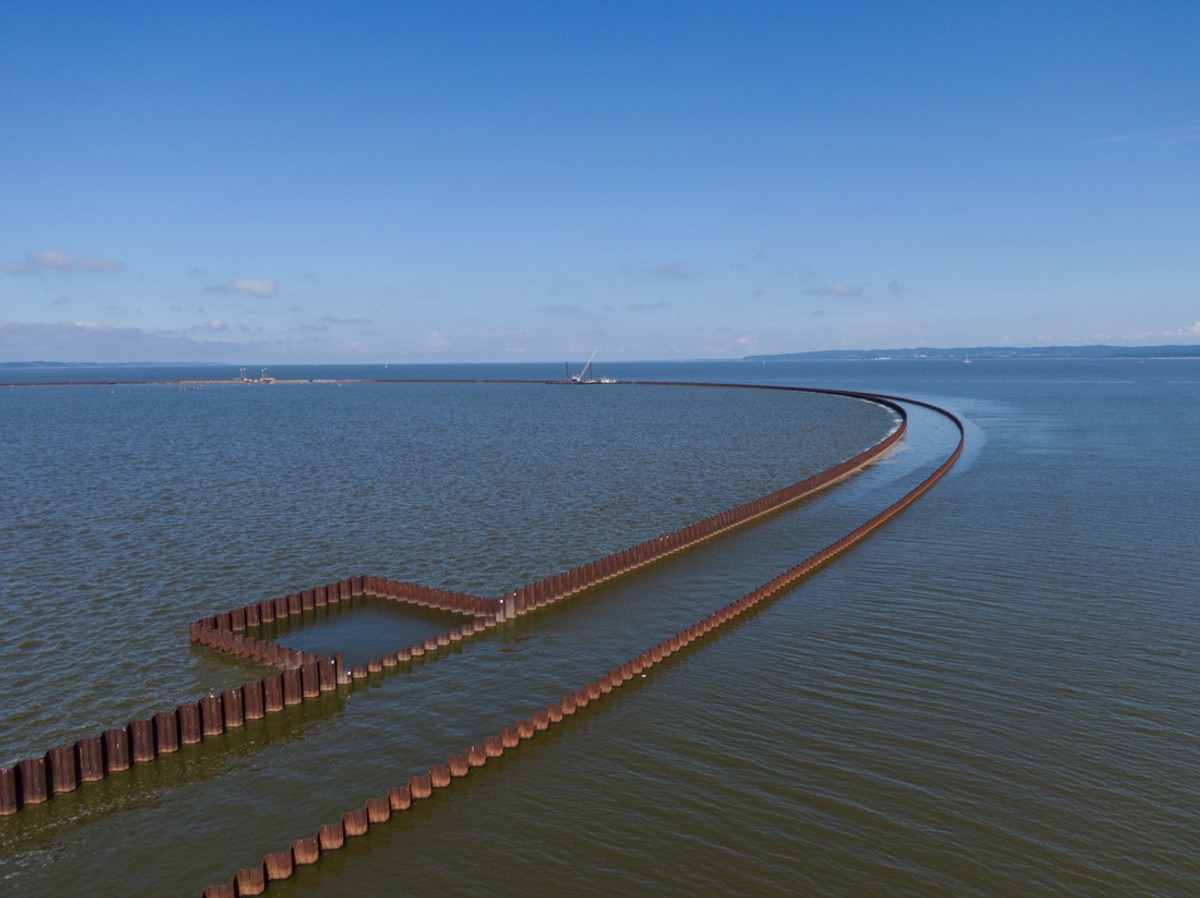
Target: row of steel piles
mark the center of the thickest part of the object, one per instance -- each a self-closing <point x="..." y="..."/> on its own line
<point x="331" y="837"/>
<point x="64" y="769"/>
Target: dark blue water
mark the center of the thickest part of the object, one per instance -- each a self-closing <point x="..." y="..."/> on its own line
<point x="994" y="695"/>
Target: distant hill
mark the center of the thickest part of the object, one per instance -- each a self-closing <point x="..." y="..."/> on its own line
<point x="987" y="352"/>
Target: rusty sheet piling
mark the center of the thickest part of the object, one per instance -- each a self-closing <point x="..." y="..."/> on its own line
<point x="421" y="786"/>
<point x="305" y="676"/>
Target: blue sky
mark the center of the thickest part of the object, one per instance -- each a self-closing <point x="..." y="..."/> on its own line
<point x="406" y="182"/>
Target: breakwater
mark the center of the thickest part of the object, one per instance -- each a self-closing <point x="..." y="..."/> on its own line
<point x="303" y="677"/>
<point x="378" y="810"/>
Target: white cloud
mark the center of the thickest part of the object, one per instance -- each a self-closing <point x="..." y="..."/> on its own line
<point x="436" y="341"/>
<point x="60" y="261"/>
<point x="747" y="342"/>
<point x="255" y="288"/>
<point x="834" y="289"/>
<point x="208" y="328"/>
<point x="1192" y="331"/>
<point x="348" y="321"/>
<point x="57" y="260"/>
<point x="90" y="341"/>
<point x="248" y="287"/>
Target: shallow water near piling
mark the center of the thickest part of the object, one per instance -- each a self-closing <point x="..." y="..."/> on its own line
<point x="993" y="695"/>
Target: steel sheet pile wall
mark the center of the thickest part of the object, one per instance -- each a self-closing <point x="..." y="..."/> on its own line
<point x="378" y="810"/>
<point x="560" y="586"/>
<point x="219" y="631"/>
<point x="304" y="676"/>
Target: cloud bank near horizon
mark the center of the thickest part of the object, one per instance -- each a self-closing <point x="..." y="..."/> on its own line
<point x="217" y="341"/>
<point x="95" y="342"/>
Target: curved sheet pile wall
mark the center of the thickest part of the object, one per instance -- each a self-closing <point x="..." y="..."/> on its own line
<point x="306" y="676"/>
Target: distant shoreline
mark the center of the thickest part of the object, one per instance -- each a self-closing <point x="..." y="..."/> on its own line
<point x="975" y="353"/>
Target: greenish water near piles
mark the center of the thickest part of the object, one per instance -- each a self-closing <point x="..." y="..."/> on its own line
<point x="994" y="695"/>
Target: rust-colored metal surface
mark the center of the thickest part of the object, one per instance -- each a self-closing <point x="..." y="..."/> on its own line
<point x="305" y="676"/>
<point x="422" y="787"/>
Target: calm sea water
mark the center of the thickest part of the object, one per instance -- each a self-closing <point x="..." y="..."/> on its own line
<point x="994" y="695"/>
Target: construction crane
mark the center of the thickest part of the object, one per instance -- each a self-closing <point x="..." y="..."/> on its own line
<point x="580" y="377"/>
